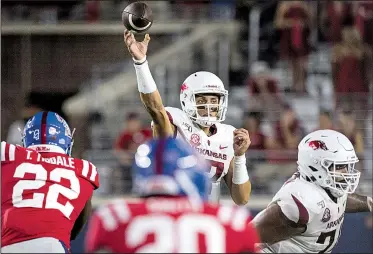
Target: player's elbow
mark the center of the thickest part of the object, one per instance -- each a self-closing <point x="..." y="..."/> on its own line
<point x="241" y="202"/>
<point x="241" y="199"/>
<point x="241" y="193"/>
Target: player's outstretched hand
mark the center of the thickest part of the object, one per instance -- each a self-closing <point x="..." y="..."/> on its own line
<point x="137" y="49"/>
<point x="241" y="141"/>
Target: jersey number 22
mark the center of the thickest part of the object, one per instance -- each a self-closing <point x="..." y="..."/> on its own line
<point x="41" y="176"/>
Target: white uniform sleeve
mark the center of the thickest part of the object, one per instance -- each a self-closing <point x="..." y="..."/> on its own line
<point x="175" y="115"/>
<point x="294" y="210"/>
<point x="297" y="203"/>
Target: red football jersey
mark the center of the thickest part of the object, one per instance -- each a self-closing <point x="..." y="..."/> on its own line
<point x="170" y="225"/>
<point x="42" y="194"/>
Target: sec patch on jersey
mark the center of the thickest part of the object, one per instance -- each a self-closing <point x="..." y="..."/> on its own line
<point x="137" y="17"/>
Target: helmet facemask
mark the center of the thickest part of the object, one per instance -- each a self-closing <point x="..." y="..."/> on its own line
<point x="191" y="108"/>
<point x="342" y="177"/>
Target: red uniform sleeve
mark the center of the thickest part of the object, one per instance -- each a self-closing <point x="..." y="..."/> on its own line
<point x="89" y="172"/>
<point x="92" y="240"/>
<point x="8" y="152"/>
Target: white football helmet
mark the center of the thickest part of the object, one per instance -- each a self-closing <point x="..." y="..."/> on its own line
<point x="203" y="82"/>
<point x="328" y="159"/>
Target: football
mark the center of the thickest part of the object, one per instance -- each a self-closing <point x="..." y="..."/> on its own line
<point x="137" y="17"/>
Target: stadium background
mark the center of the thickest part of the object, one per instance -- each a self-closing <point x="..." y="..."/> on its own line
<point x="68" y="56"/>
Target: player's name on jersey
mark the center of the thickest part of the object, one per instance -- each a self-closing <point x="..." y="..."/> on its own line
<point x="56" y="160"/>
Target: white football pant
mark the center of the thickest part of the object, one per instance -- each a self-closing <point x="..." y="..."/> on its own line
<point x="38" y="245"/>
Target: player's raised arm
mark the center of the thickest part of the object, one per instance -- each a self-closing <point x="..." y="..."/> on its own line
<point x="149" y="93"/>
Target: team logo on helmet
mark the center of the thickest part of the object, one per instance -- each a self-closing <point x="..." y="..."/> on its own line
<point x="195" y="139"/>
<point x="30" y="123"/>
<point x="184" y="87"/>
<point x="317" y="144"/>
<point x="65" y="125"/>
<point x="53" y="131"/>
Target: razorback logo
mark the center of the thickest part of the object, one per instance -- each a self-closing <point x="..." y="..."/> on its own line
<point x="317" y="144"/>
<point x="184" y="87"/>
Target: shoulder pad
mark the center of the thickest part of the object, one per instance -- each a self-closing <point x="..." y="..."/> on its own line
<point x="89" y="172"/>
<point x="299" y="200"/>
<point x="227" y="127"/>
<point x="176" y="115"/>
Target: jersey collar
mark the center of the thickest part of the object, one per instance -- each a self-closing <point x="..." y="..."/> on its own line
<point x="47" y="149"/>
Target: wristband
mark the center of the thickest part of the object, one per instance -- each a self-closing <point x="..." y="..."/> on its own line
<point x="145" y="81"/>
<point x="240" y="174"/>
<point x="139" y="62"/>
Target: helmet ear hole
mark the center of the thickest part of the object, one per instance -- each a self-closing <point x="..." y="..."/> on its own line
<point x="183" y="103"/>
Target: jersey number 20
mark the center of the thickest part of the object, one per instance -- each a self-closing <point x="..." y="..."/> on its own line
<point x="180" y="235"/>
<point x="41" y="176"/>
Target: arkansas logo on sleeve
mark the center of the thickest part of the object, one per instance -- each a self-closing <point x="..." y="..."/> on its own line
<point x="195" y="139"/>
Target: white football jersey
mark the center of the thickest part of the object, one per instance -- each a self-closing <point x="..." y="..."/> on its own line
<point x="217" y="149"/>
<point x="301" y="200"/>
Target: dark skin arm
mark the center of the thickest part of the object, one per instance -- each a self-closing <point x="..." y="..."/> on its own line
<point x="81" y="220"/>
<point x="357" y="203"/>
<point x="273" y="226"/>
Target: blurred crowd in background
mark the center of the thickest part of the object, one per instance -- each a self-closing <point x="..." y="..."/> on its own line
<point x="314" y="71"/>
